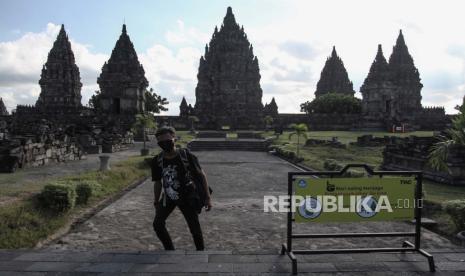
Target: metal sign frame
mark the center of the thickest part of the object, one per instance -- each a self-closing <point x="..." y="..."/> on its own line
<point x="407" y="246"/>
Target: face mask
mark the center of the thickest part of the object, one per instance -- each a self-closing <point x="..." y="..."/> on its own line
<point x="166" y="145"/>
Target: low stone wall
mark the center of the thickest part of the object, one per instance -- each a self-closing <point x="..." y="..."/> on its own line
<point x="23" y="153"/>
<point x="426" y="120"/>
<point x="321" y="121"/>
<point x="334" y="142"/>
<point x="412" y="154"/>
<point x="371" y="141"/>
<point x="211" y="134"/>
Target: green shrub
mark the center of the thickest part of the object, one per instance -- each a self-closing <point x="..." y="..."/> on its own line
<point x="57" y="197"/>
<point x="456" y="210"/>
<point x="334" y="103"/>
<point x="84" y="191"/>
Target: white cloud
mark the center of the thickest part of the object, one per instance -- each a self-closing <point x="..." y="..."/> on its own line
<point x="185" y="35"/>
<point x="291" y="52"/>
<point x="172" y="74"/>
<point x="22" y="61"/>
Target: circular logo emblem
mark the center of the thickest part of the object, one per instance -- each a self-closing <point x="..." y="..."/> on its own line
<point x="311" y="208"/>
<point x="367" y="201"/>
<point x="302" y="183"/>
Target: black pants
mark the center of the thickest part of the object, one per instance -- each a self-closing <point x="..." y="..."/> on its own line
<point x="190" y="215"/>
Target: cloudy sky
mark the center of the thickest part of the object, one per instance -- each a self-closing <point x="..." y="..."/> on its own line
<point x="291" y="39"/>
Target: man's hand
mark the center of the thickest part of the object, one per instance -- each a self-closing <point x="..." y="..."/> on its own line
<point x="208" y="204"/>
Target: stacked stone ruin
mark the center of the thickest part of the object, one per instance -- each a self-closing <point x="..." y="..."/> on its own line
<point x="411" y="153"/>
<point x="38" y="154"/>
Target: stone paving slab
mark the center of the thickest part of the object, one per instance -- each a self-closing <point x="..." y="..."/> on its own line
<point x="237" y="221"/>
<point x="34" y="262"/>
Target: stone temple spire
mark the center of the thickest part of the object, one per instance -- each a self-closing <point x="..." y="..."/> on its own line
<point x="406" y="76"/>
<point x="271" y="109"/>
<point x="334" y="77"/>
<point x="401" y="63"/>
<point x="378" y="90"/>
<point x="122" y="81"/>
<point x="183" y="108"/>
<point x="60" y="81"/>
<point x="228" y="91"/>
<point x="229" y="20"/>
<point x="3" y="110"/>
<point x="379" y="70"/>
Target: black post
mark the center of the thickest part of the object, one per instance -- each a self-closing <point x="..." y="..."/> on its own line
<point x="289" y="213"/>
<point x="407" y="246"/>
<point x="418" y="197"/>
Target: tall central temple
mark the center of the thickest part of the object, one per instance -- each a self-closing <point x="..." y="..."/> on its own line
<point x="228" y="91"/>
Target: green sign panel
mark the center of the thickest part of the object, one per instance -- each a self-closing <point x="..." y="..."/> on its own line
<point x="354" y="199"/>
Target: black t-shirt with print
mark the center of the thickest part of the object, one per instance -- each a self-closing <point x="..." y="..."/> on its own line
<point x="173" y="174"/>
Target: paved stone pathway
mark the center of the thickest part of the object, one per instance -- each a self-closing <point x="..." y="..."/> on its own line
<point x="237" y="221"/>
<point x="221" y="263"/>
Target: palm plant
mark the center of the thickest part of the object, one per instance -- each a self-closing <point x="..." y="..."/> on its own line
<point x="299" y="130"/>
<point x="455" y="136"/>
<point x="144" y="121"/>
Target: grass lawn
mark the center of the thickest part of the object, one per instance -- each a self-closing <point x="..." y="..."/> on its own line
<point x="439" y="193"/>
<point x="315" y="156"/>
<point x="23" y="224"/>
<point x="346" y="136"/>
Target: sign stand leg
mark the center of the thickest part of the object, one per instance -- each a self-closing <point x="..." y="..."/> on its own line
<point x="407" y="246"/>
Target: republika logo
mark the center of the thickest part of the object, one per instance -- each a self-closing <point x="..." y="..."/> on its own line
<point x="330" y="187"/>
<point x="302" y="183"/>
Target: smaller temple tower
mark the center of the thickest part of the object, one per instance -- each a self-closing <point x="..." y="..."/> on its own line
<point x="378" y="89"/>
<point x="60" y="81"/>
<point x="122" y="81"/>
<point x="184" y="108"/>
<point x="271" y="109"/>
<point x="393" y="90"/>
<point x="3" y="110"/>
<point x="334" y="77"/>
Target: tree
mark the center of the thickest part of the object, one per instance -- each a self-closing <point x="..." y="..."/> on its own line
<point x="455" y="136"/>
<point x="268" y="121"/>
<point x="154" y="103"/>
<point x="143" y="122"/>
<point x="94" y="101"/>
<point x="299" y="130"/>
<point x="333" y="103"/>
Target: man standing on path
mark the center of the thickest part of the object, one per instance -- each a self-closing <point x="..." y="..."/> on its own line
<point x="176" y="170"/>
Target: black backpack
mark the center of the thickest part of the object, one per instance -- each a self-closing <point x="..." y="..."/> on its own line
<point x="192" y="174"/>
